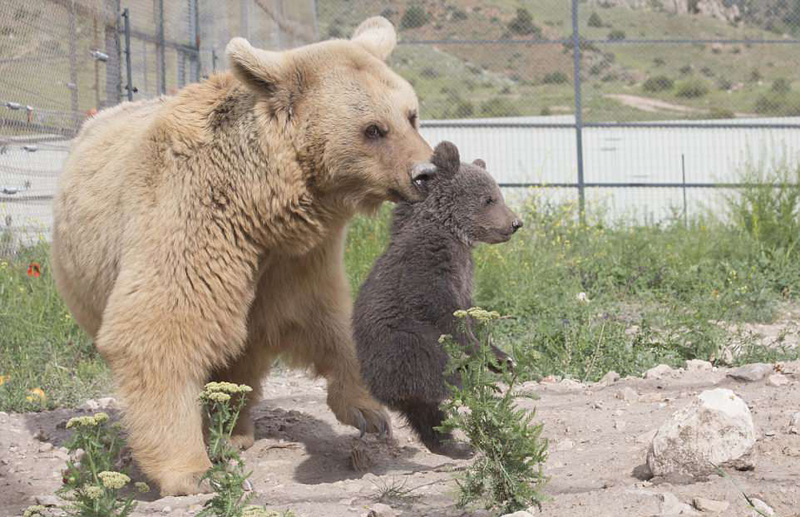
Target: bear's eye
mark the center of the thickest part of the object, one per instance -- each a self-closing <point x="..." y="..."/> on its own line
<point x="373" y="132"/>
<point x="489" y="201"/>
<point x="412" y="118"/>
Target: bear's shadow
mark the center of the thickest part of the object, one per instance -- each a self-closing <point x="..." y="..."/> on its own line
<point x="329" y="454"/>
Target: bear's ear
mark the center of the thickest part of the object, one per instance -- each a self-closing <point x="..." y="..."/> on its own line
<point x="377" y="36"/>
<point x="259" y="69"/>
<point x="480" y="163"/>
<point x="446" y="159"/>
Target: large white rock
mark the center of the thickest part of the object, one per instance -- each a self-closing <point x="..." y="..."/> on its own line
<point x="715" y="428"/>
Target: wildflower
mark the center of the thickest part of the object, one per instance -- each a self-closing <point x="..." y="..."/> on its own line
<point x="582" y="298"/>
<point x="34" y="270"/>
<point x="34" y="511"/>
<point x="93" y="492"/>
<point x="460" y="314"/>
<point x="101" y="417"/>
<point x="259" y="511"/>
<point x="81" y="421"/>
<point x="4" y="378"/>
<point x="36" y="395"/>
<point x="227" y="387"/>
<point x="141" y="487"/>
<point x="113" y="480"/>
<point x="444" y="337"/>
<point x="218" y="397"/>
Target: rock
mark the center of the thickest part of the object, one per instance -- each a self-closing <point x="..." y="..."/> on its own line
<point x="382" y="510"/>
<point x="90" y="405"/>
<point x="550" y="379"/>
<point x="107" y="402"/>
<point x="794" y="423"/>
<point x="167" y="510"/>
<point x="715" y="428"/>
<point x="619" y="425"/>
<point x="646" y="437"/>
<point x="751" y="372"/>
<point x="777" y="380"/>
<point x="565" y="445"/>
<point x="627" y="394"/>
<point x="47" y="500"/>
<point x="651" y="398"/>
<point x="792" y="451"/>
<point x="570" y="384"/>
<point x="671" y="505"/>
<point x="46" y="447"/>
<point x="658" y="372"/>
<point x="762" y="507"/>
<point x="41" y="435"/>
<point x="710" y="505"/>
<point x="521" y="513"/>
<point x="698" y="365"/>
<point x="609" y="378"/>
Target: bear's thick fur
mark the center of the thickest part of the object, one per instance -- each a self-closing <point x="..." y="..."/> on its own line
<point x="423" y="277"/>
<point x="200" y="236"/>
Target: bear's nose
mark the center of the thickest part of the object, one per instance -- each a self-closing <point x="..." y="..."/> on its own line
<point x="516" y="225"/>
<point x="422" y="172"/>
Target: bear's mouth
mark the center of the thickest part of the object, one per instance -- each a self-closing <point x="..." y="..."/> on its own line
<point x="421" y="181"/>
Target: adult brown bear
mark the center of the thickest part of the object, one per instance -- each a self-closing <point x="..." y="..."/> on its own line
<point x="200" y="236"/>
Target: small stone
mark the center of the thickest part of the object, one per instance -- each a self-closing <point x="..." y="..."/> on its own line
<point x="751" y="372"/>
<point x="166" y="510"/>
<point x="769" y="432"/>
<point x="620" y="425"/>
<point x="671" y="505"/>
<point x="382" y="510"/>
<point x="794" y="423"/>
<point x="565" y="445"/>
<point x="107" y="402"/>
<point x="521" y="513"/>
<point x="793" y="452"/>
<point x="90" y="405"/>
<point x="41" y="435"/>
<point x="46" y="447"/>
<point x="598" y="404"/>
<point x="550" y="379"/>
<point x="651" y="398"/>
<point x="658" y="372"/>
<point x="761" y="507"/>
<point x="47" y="500"/>
<point x="698" y="365"/>
<point x="609" y="378"/>
<point x="710" y="505"/>
<point x="776" y="380"/>
<point x="646" y="437"/>
<point x="627" y="394"/>
<point x="570" y="384"/>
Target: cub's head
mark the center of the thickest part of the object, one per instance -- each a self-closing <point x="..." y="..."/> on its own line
<point x="353" y="121"/>
<point x="470" y="198"/>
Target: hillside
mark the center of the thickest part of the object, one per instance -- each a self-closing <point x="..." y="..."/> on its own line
<point x="512" y="77"/>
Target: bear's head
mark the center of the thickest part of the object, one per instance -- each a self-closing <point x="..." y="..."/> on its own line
<point x="469" y="198"/>
<point x="353" y="122"/>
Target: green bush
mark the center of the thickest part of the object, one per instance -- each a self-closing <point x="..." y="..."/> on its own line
<point x="691" y="88"/>
<point x="499" y="107"/>
<point x="555" y="78"/>
<point x="658" y="83"/>
<point x="616" y="35"/>
<point x="595" y="20"/>
<point x="772" y="103"/>
<point x="781" y="85"/>
<point x="522" y="24"/>
<point x="415" y="16"/>
<point x="721" y="113"/>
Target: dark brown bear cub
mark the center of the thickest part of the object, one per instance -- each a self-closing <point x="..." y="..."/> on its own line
<point x="423" y="277"/>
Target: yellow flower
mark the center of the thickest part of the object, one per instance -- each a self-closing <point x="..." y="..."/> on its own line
<point x="36" y="395"/>
<point x="218" y="397"/>
<point x="101" y="417"/>
<point x="81" y="421"/>
<point x="141" y="487"/>
<point x="93" y="492"/>
<point x="444" y="337"/>
<point x="113" y="480"/>
<point x="4" y="378"/>
<point x="34" y="511"/>
<point x="227" y="387"/>
<point x="461" y="314"/>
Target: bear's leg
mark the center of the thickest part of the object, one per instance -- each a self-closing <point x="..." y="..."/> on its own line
<point x="250" y="368"/>
<point x="424" y="417"/>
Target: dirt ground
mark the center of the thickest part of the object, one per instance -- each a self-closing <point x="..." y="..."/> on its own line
<point x="302" y="459"/>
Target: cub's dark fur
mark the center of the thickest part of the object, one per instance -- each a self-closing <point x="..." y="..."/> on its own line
<point x="424" y="276"/>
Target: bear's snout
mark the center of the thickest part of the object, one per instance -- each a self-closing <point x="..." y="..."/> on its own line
<point x="516" y="224"/>
<point x="421" y="173"/>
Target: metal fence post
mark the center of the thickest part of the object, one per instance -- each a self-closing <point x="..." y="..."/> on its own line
<point x="161" y="55"/>
<point x="126" y="15"/>
<point x="73" y="68"/>
<point x="113" y="67"/>
<point x="194" y="10"/>
<point x="576" y="52"/>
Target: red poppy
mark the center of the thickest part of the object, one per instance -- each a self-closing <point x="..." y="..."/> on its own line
<point x="34" y="270"/>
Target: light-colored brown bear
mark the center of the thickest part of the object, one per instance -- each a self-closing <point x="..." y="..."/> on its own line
<point x="201" y="236"/>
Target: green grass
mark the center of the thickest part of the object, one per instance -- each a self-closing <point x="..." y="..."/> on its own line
<point x="657" y="294"/>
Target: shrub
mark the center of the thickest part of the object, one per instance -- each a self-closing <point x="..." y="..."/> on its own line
<point x="721" y="113"/>
<point x="687" y="70"/>
<point x="725" y="84"/>
<point x="522" y="24"/>
<point x="658" y="83"/>
<point x="555" y="78"/>
<point x="659" y="61"/>
<point x="507" y="472"/>
<point x="781" y="85"/>
<point x="616" y="35"/>
<point x="691" y="89"/>
<point x="499" y="107"/>
<point x="463" y="109"/>
<point x="415" y="16"/>
<point x="595" y="20"/>
<point x="755" y="75"/>
<point x="778" y="104"/>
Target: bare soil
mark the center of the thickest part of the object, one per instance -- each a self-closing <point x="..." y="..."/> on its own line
<point x="303" y="459"/>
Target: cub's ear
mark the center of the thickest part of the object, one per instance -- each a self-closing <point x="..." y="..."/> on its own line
<point x="260" y="70"/>
<point x="446" y="159"/>
<point x="377" y="36"/>
<point x="480" y="163"/>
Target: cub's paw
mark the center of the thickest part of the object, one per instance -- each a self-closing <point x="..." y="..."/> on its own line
<point x="184" y="484"/>
<point x="363" y="412"/>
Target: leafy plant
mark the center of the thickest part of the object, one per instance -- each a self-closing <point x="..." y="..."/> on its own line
<point x="691" y="88"/>
<point x="93" y="485"/>
<point x="507" y="472"/>
<point x="616" y="35"/>
<point x="595" y="20"/>
<point x="223" y="402"/>
<point x="658" y="83"/>
<point x="415" y="16"/>
<point x="523" y="25"/>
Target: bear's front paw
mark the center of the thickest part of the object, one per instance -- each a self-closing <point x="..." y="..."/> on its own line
<point x="175" y="484"/>
<point x="364" y="413"/>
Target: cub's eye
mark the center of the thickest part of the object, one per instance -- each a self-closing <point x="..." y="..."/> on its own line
<point x="489" y="201"/>
<point x="373" y="132"/>
<point x="412" y="118"/>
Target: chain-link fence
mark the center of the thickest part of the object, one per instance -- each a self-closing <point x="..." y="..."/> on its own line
<point x="639" y="106"/>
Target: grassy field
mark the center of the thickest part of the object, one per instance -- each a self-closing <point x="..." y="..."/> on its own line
<point x="656" y="294"/>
